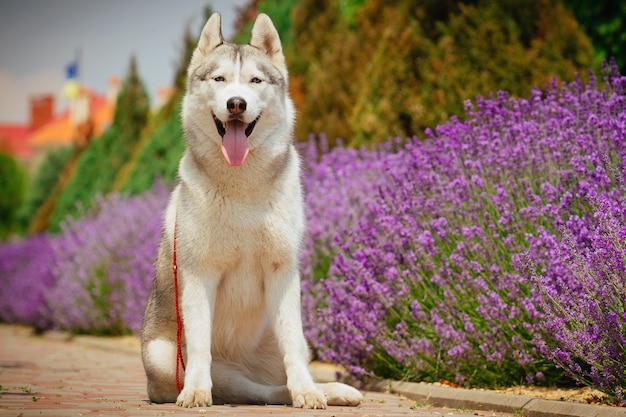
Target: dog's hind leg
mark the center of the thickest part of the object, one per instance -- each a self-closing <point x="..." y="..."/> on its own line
<point x="159" y="357"/>
<point x="232" y="386"/>
<point x="341" y="394"/>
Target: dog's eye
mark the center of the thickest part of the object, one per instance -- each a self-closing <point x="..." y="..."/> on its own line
<point x="219" y="79"/>
<point x="256" y="80"/>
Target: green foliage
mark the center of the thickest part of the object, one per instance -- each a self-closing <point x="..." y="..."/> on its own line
<point x="100" y="288"/>
<point x="98" y="165"/>
<point x="94" y="174"/>
<point x="315" y="43"/>
<point x="12" y="184"/>
<point x="399" y="69"/>
<point x="605" y="23"/>
<point x="188" y="46"/>
<point x="349" y="8"/>
<point x="160" y="153"/>
<point x="162" y="149"/>
<point x="133" y="105"/>
<point x="278" y="10"/>
<point x="43" y="183"/>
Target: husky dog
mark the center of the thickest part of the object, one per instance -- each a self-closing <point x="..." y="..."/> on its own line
<point x="234" y="224"/>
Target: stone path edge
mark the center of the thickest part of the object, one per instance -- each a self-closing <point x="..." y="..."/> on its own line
<point x="522" y="405"/>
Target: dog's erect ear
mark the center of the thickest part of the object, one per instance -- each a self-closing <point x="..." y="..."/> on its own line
<point x="265" y="37"/>
<point x="211" y="36"/>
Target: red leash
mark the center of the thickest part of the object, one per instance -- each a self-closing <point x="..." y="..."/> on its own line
<point x="179" y="332"/>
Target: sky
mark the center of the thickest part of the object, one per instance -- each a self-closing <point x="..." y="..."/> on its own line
<point x="39" y="38"/>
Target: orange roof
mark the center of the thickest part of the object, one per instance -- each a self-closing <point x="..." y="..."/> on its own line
<point x="58" y="131"/>
<point x="13" y="139"/>
<point x="61" y="131"/>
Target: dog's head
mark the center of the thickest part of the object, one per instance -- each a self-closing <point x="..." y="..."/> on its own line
<point x="237" y="94"/>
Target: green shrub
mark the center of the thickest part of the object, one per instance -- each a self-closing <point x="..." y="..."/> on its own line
<point x="160" y="153"/>
<point x="43" y="183"/>
<point x="399" y="69"/>
<point x="605" y="23"/>
<point x="278" y="10"/>
<point x="12" y="184"/>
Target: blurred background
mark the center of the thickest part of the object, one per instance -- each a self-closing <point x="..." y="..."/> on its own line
<point x="90" y="90"/>
<point x="456" y="156"/>
<point x="40" y="38"/>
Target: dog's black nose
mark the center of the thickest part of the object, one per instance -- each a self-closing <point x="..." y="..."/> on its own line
<point x="236" y="105"/>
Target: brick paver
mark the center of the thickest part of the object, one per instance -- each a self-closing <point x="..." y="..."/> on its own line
<point x="58" y="375"/>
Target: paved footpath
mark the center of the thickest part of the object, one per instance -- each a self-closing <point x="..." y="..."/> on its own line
<point x="58" y="375"/>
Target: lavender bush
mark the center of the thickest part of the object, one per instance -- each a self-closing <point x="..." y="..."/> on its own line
<point x="339" y="185"/>
<point x="418" y="289"/>
<point x="95" y="276"/>
<point x="104" y="264"/>
<point x="583" y="295"/>
<point x="423" y="283"/>
<point x="26" y="276"/>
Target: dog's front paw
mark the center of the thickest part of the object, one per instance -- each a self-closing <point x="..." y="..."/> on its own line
<point x="194" y="398"/>
<point x="312" y="398"/>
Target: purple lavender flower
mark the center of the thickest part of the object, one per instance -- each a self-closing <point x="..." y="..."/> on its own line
<point x="421" y="274"/>
<point x="104" y="264"/>
<point x="583" y="295"/>
<point x="92" y="278"/>
<point x="26" y="276"/>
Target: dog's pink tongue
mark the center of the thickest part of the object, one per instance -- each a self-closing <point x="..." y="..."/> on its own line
<point x="235" y="143"/>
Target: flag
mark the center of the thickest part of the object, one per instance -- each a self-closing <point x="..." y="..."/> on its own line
<point x="71" y="88"/>
<point x="71" y="71"/>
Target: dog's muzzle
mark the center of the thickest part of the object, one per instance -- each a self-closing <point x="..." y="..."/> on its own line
<point x="235" y="135"/>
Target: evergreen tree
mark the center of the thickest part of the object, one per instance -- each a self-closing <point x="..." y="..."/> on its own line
<point x="161" y="150"/>
<point x="98" y="165"/>
<point x="133" y="104"/>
